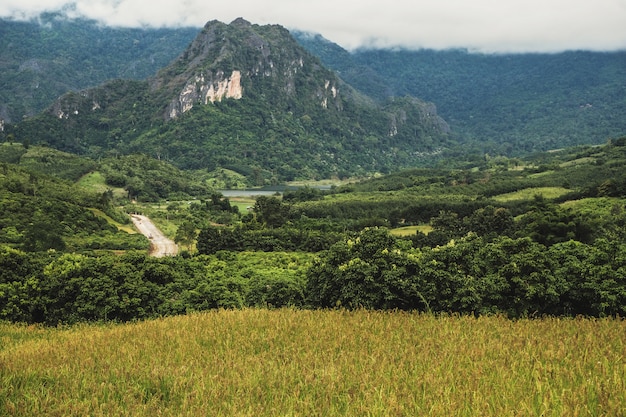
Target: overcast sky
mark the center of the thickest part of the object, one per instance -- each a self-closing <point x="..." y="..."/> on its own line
<point x="483" y="25"/>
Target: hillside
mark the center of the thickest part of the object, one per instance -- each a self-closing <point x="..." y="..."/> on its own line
<point x="497" y="104"/>
<point x="43" y="59"/>
<point x="247" y="98"/>
<point x="55" y="200"/>
<point x="509" y="104"/>
<point x="41" y="212"/>
<point x="518" y="237"/>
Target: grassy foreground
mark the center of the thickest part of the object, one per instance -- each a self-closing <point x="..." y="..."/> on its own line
<point x="317" y="363"/>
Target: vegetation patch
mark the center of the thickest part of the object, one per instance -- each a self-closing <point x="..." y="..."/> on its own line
<point x="411" y="230"/>
<point x="96" y="182"/>
<point x="529" y="193"/>
<point x="579" y="161"/>
<point x="123" y="227"/>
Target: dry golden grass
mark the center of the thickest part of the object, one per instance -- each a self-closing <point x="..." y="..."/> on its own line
<point x="317" y="363"/>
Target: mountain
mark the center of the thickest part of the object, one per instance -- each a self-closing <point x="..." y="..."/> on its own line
<point x="501" y="103"/>
<point x="42" y="59"/>
<point x="248" y="98"/>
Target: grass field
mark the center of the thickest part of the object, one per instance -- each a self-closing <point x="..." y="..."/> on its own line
<point x="124" y="227"/>
<point x="242" y="203"/>
<point x="530" y="193"/>
<point x="94" y="181"/>
<point x="411" y="230"/>
<point x="317" y="363"/>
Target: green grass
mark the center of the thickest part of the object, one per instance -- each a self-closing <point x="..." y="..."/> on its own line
<point x="95" y="182"/>
<point x="602" y="206"/>
<point x="123" y="227"/>
<point x="411" y="230"/>
<point x="530" y="193"/>
<point x="317" y="363"/>
<point x="580" y="161"/>
<point x="242" y="203"/>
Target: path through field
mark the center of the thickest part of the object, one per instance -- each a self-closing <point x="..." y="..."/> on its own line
<point x="159" y="244"/>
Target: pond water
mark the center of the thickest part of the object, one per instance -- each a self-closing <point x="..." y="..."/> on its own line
<point x="247" y="193"/>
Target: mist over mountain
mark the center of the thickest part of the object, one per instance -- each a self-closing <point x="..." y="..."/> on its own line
<point x="508" y="103"/>
<point x="45" y="58"/>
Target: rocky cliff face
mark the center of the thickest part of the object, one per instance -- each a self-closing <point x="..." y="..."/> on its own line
<point x="205" y="89"/>
<point x="264" y="60"/>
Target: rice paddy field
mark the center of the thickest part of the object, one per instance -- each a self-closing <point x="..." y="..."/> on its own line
<point x="316" y="363"/>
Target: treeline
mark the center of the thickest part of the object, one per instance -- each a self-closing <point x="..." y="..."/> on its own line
<point x="214" y="239"/>
<point x="516" y="277"/>
<point x="54" y="288"/>
<point x="149" y="179"/>
<point x="549" y="261"/>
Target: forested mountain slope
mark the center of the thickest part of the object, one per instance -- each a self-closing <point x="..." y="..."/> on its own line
<point x="41" y="212"/>
<point x="500" y="104"/>
<point x="41" y="60"/>
<point x="503" y="103"/>
<point x="248" y="98"/>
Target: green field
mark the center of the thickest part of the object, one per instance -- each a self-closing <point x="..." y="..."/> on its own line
<point x="243" y="203"/>
<point x="124" y="227"/>
<point x="94" y="181"/>
<point x="316" y="363"/>
<point x="529" y="193"/>
<point x="411" y="230"/>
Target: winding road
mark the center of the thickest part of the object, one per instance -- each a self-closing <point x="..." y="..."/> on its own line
<point x="159" y="244"/>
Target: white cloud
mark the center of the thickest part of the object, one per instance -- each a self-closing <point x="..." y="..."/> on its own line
<point x="486" y="25"/>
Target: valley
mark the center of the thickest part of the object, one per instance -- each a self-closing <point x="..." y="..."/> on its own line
<point x="449" y="237"/>
<point x="249" y="106"/>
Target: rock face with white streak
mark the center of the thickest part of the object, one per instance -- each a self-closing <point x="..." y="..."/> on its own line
<point x="204" y="89"/>
<point x="216" y="69"/>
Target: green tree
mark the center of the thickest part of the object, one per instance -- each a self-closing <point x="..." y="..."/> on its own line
<point x="43" y="233"/>
<point x="547" y="223"/>
<point x="271" y="211"/>
<point x="490" y="220"/>
<point x="186" y="233"/>
<point x="371" y="270"/>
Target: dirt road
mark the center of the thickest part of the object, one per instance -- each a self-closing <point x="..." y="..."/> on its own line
<point x="159" y="244"/>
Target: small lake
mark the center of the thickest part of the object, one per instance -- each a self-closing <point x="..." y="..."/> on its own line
<point x="247" y="193"/>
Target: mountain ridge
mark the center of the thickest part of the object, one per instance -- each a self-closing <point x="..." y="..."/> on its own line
<point x="518" y="103"/>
